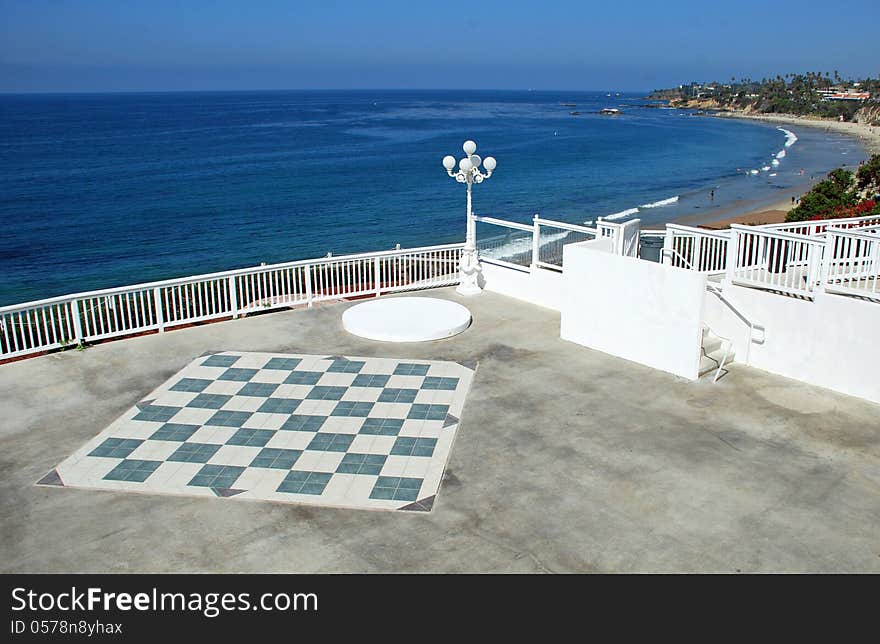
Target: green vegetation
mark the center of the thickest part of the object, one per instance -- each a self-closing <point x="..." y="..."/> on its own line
<point x="799" y="94"/>
<point x="843" y="194"/>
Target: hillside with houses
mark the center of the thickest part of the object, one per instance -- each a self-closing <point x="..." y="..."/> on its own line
<point x="825" y="95"/>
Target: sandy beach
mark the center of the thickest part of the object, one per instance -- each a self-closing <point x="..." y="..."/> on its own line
<point x="869" y="135"/>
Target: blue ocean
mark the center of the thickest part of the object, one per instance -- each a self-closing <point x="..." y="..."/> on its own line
<point x="107" y="190"/>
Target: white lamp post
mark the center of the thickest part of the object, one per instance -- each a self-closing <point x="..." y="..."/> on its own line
<point x="469" y="174"/>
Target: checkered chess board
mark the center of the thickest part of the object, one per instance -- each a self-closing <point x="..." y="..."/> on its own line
<point x="323" y="430"/>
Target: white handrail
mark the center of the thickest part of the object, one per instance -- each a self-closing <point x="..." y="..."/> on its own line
<point x="565" y="226"/>
<point x="503" y="222"/>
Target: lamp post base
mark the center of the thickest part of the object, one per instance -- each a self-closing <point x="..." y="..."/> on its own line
<point x="468" y="290"/>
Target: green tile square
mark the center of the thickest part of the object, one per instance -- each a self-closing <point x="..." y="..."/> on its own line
<point x="217" y="476"/>
<point x="238" y="375"/>
<point x="383" y="493"/>
<point x="174" y="432"/>
<point x="323" y="392"/>
<point x="282" y="364"/>
<point x="411" y="369"/>
<point x="116" y="447"/>
<point x="346" y="366"/>
<point x="194" y="453"/>
<point x="398" y="395"/>
<point x="352" y="409"/>
<point x="370" y="380"/>
<point x="220" y="361"/>
<point x="258" y="389"/>
<point x="209" y="401"/>
<point x="251" y="437"/>
<point x="303" y="423"/>
<point x="191" y="384"/>
<point x="274" y="458"/>
<point x="156" y="413"/>
<point x="225" y="418"/>
<point x="443" y="384"/>
<point x="303" y="378"/>
<point x="297" y="482"/>
<point x="136" y="471"/>
<point x="327" y="442"/>
<point x="406" y="495"/>
<point x="381" y="426"/>
<point x="279" y="405"/>
<point x="368" y="464"/>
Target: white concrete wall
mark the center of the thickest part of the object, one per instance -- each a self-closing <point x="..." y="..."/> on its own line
<point x="538" y="286"/>
<point x="634" y="309"/>
<point x="830" y="342"/>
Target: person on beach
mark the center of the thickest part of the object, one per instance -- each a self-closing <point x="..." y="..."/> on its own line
<point x="712" y="195"/>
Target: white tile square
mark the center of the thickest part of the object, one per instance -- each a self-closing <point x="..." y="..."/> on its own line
<point x="251" y="361"/>
<point x="405" y="382"/>
<point x="263" y="420"/>
<point x="337" y="487"/>
<point x="363" y="394"/>
<point x="298" y="392"/>
<point x="412" y="428"/>
<point x="342" y="425"/>
<point x="212" y="434"/>
<point x="243" y="403"/>
<point x="135" y="429"/>
<point x="154" y="450"/>
<point x="270" y="376"/>
<point x="310" y="461"/>
<point x="316" y="407"/>
<point x="330" y="461"/>
<point x="192" y="416"/>
<point x="362" y="444"/>
<point x="175" y="398"/>
<point x="425" y="397"/>
<point x="224" y="387"/>
<point x="390" y="410"/>
<point x="238" y="455"/>
<point x="417" y="467"/>
<point x="394" y="466"/>
<point x="290" y="440"/>
<point x="336" y="379"/>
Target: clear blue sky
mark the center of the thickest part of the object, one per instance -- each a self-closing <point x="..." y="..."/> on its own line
<point x="128" y="45"/>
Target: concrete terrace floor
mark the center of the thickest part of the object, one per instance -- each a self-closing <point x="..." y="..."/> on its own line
<point x="567" y="460"/>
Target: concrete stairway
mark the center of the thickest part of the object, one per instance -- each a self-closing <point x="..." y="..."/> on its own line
<point x="712" y="352"/>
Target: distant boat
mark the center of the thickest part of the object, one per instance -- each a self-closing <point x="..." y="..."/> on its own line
<point x="613" y="111"/>
<point x="568" y="104"/>
<point x="575" y="113"/>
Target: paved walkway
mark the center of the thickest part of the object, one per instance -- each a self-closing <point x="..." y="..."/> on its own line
<point x="565" y="460"/>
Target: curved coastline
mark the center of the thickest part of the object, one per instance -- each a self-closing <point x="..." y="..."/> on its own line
<point x="773" y="210"/>
<point x="867" y="135"/>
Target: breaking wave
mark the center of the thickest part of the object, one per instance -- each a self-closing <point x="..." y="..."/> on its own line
<point x="662" y="202"/>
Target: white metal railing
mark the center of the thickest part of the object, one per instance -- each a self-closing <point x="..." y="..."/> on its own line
<point x="540" y="245"/>
<point x="550" y="236"/>
<point x="780" y="261"/>
<point x="851" y="264"/>
<point x="47" y="324"/>
<point x="812" y="228"/>
<point x="512" y="248"/>
<point x="695" y="248"/>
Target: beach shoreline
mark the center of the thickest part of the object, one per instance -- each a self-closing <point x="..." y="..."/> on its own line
<point x="774" y="211"/>
<point x="868" y="135"/>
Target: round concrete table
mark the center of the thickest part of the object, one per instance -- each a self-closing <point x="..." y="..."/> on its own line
<point x="406" y="319"/>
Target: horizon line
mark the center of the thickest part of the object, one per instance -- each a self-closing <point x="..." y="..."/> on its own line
<point x="312" y="89"/>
